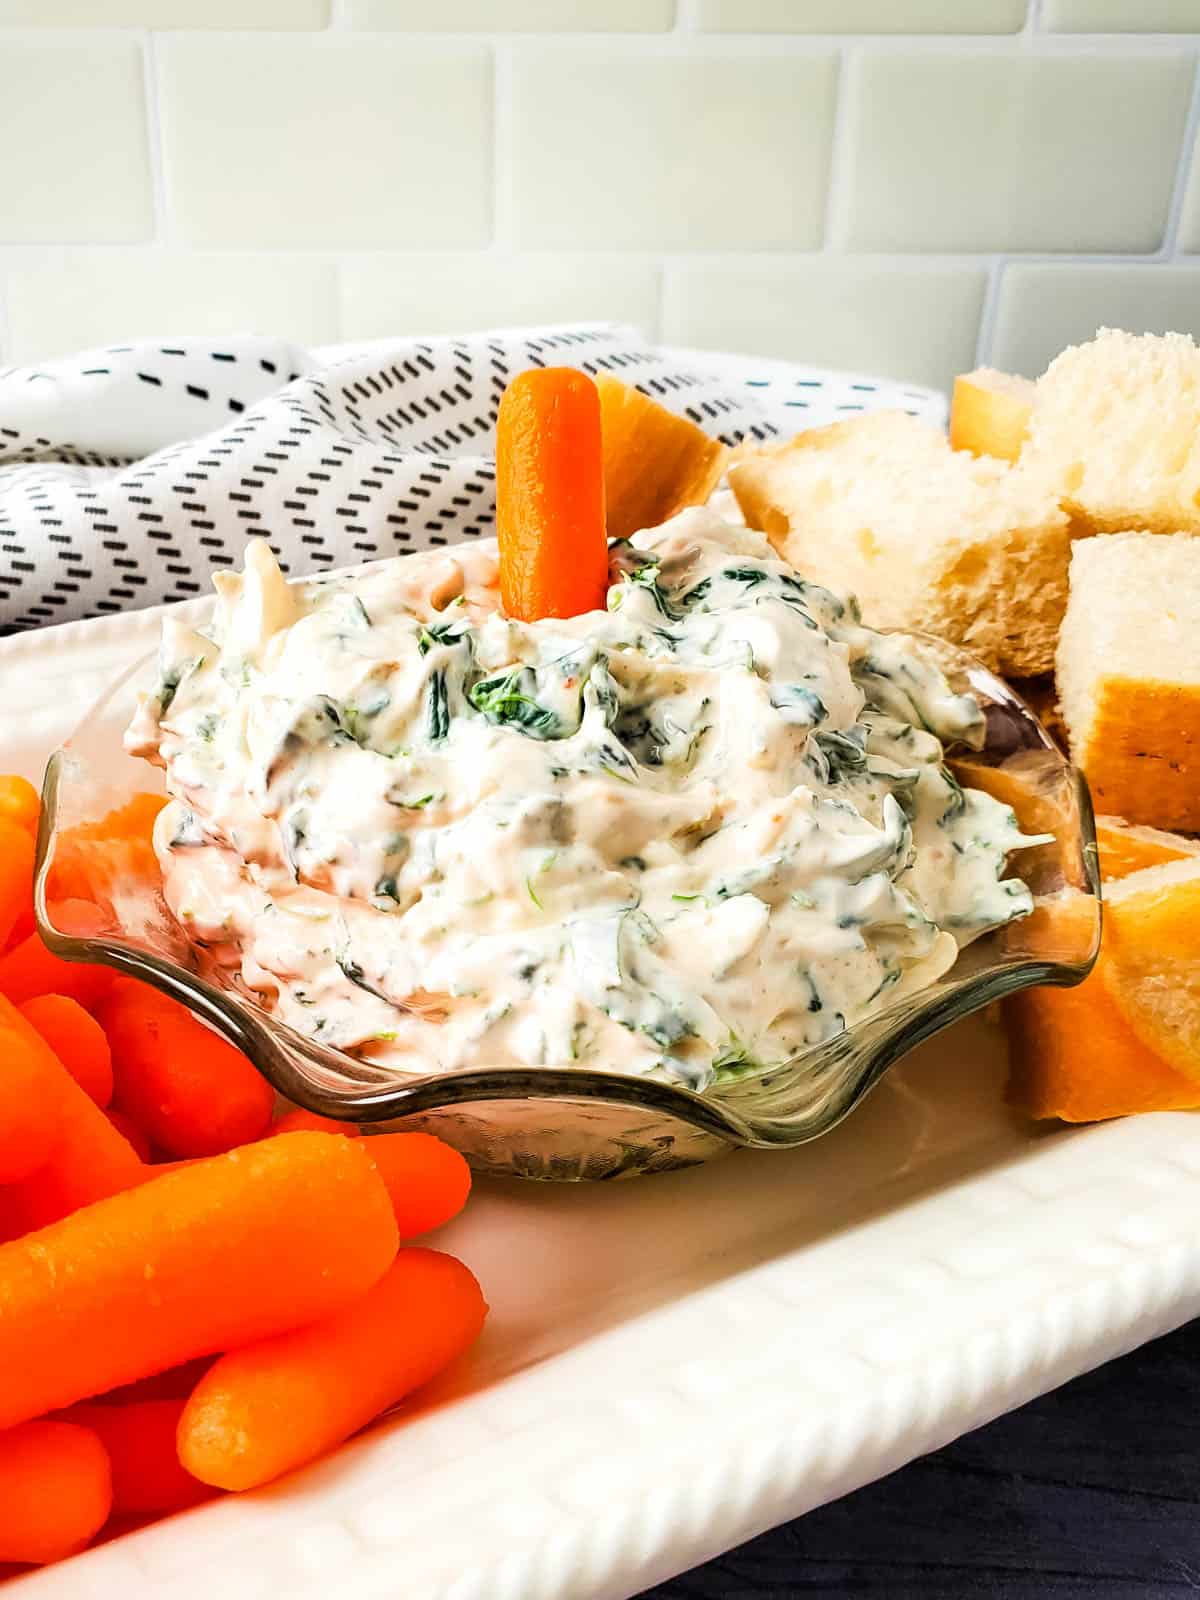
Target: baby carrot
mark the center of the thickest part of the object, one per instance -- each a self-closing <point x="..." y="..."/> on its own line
<point x="260" y="1411"/>
<point x="176" y="1383"/>
<point x="298" y="1120"/>
<point x="55" y="1490"/>
<point x="226" y="1252"/>
<point x="19" y="802"/>
<point x="89" y="1158"/>
<point x="192" y="1093"/>
<point x="140" y="1440"/>
<point x="30" y="1097"/>
<point x="98" y="861"/>
<point x="550" y="496"/>
<point x="29" y="969"/>
<point x="130" y="1130"/>
<point x="16" y="875"/>
<point x="77" y="1039"/>
<point x="427" y="1180"/>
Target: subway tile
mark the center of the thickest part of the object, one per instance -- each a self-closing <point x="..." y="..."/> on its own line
<point x="1045" y="306"/>
<point x="861" y="16"/>
<point x="77" y="299"/>
<point x="327" y="141"/>
<point x="1189" y="223"/>
<point x="1121" y="16"/>
<point x="673" y="153"/>
<point x="384" y="295"/>
<point x="73" y="160"/>
<point x="893" y="319"/>
<point x="1008" y="151"/>
<point x="163" y="14"/>
<point x="515" y="16"/>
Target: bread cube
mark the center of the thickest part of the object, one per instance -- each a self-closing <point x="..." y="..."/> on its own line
<point x="969" y="548"/>
<point x="1116" y="424"/>
<point x="1129" y="675"/>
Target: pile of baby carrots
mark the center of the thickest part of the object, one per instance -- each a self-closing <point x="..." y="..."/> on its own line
<point x="196" y="1294"/>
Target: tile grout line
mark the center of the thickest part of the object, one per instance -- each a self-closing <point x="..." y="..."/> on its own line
<point x="155" y="151"/>
<point x="989" y="311"/>
<point x="836" y="221"/>
<point x="1188" y="159"/>
<point x="503" y="218"/>
<point x="5" y="341"/>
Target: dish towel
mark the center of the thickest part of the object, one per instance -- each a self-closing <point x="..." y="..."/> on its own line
<point x="129" y="474"/>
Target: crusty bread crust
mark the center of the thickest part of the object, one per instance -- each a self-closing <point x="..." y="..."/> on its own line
<point x="989" y="413"/>
<point x="655" y="463"/>
<point x="1124" y="1041"/>
<point x="1152" y="974"/>
<point x="1072" y="1056"/>
<point x="1141" y="751"/>
<point x="1127" y="847"/>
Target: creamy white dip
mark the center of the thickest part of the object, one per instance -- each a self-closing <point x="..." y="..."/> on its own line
<point x="683" y="837"/>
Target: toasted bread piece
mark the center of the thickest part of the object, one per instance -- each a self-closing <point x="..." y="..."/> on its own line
<point x="1126" y="848"/>
<point x="1116" y="423"/>
<point x="655" y="463"/>
<point x="989" y="413"/>
<point x="962" y="546"/>
<point x="1153" y="971"/>
<point x="1073" y="1053"/>
<point x="1129" y="675"/>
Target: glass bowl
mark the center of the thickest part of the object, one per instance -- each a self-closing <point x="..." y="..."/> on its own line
<point x="571" y="1122"/>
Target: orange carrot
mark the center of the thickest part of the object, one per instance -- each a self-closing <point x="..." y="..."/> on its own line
<point x="29" y="969"/>
<point x="550" y="496"/>
<point x="192" y="1092"/>
<point x="55" y="1490"/>
<point x="427" y="1180"/>
<point x="16" y="875"/>
<point x="132" y="1131"/>
<point x="232" y="1250"/>
<point x="21" y="928"/>
<point x="297" y="1120"/>
<point x="19" y="802"/>
<point x="30" y="1102"/>
<point x="89" y="1158"/>
<point x="140" y="1440"/>
<point x="91" y="858"/>
<point x="260" y="1411"/>
<point x="176" y="1383"/>
<point x="77" y="1039"/>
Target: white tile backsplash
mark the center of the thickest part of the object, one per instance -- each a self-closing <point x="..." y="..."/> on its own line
<point x="1044" y="306"/>
<point x="79" y="298"/>
<point x="1121" y="16"/>
<point x="865" y="183"/>
<point x="74" y="163"/>
<point x="326" y="141"/>
<point x="1001" y="150"/>
<point x="695" y="152"/>
<point x="515" y="16"/>
<point x="165" y="13"/>
<point x="1189" y="222"/>
<point x="445" y="294"/>
<point x="861" y="16"/>
<point x="895" y="318"/>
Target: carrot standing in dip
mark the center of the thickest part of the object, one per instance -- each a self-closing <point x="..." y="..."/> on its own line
<point x="550" y="496"/>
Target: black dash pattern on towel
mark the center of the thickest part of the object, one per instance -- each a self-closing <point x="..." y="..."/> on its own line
<point x="129" y="475"/>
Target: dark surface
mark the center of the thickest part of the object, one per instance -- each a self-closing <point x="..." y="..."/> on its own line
<point x="1091" y="1493"/>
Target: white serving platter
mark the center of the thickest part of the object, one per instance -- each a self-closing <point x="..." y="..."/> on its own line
<point x="676" y="1363"/>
